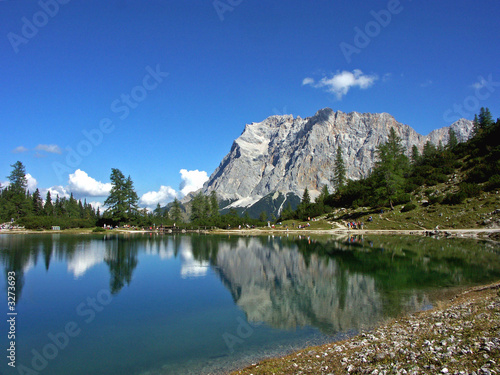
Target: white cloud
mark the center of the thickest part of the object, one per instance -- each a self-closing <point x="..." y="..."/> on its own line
<point x="32" y="182"/>
<point x="308" y="81"/>
<point x="192" y="180"/>
<point x="163" y="196"/>
<point x="58" y="190"/>
<point x="19" y="149"/>
<point x="53" y="149"/>
<point x="340" y="83"/>
<point x="96" y="205"/>
<point x="82" y="184"/>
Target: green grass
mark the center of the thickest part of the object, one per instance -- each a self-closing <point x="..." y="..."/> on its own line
<point x="469" y="214"/>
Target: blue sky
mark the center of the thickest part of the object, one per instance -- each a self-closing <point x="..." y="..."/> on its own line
<point x="155" y="87"/>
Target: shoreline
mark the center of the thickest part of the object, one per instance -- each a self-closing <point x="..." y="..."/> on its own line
<point x="458" y="336"/>
<point x="464" y="232"/>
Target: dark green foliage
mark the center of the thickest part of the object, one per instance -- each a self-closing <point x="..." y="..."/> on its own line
<point x="452" y="139"/>
<point x="436" y="199"/>
<point x="456" y="198"/>
<point x="44" y="222"/>
<point x="409" y="207"/>
<point x="339" y="174"/>
<point x="175" y="212"/>
<point x="493" y="182"/>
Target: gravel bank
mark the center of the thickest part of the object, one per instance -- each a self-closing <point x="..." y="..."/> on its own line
<point x="460" y="336"/>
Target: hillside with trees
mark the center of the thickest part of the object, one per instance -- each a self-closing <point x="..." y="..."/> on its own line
<point x="410" y="177"/>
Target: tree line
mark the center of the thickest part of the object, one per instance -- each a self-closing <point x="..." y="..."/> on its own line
<point x="18" y="205"/>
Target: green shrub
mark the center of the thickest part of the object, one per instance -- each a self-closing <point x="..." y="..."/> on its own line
<point x="436" y="199"/>
<point x="456" y="198"/>
<point x="409" y="207"/>
<point x="401" y="198"/>
<point x="470" y="190"/>
<point x="98" y="229"/>
<point x="493" y="182"/>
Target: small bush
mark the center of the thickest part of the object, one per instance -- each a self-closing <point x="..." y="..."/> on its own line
<point x="470" y="190"/>
<point x="436" y="199"/>
<point x="401" y="198"/>
<point x="456" y="198"/>
<point x="98" y="230"/>
<point x="409" y="207"/>
<point x="493" y="182"/>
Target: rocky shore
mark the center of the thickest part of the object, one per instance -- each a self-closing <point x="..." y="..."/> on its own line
<point x="460" y="336"/>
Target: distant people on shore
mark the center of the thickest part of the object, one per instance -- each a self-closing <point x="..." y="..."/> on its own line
<point x="355" y="225"/>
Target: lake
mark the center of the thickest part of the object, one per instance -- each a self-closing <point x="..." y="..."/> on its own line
<point x="141" y="304"/>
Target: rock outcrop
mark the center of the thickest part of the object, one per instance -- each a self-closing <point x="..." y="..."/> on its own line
<point x="286" y="154"/>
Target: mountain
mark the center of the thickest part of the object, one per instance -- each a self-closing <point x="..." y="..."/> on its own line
<point x="282" y="155"/>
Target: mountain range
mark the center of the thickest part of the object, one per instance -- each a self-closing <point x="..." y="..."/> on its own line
<point x="273" y="161"/>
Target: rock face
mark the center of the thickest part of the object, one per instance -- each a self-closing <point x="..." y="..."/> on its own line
<point x="286" y="154"/>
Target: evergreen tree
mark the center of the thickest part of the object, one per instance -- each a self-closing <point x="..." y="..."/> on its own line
<point x="48" y="208"/>
<point x="165" y="214"/>
<point x="485" y="118"/>
<point x="175" y="212"/>
<point x="214" y="205"/>
<point x="452" y="139"/>
<point x="324" y="194"/>
<point x="306" y="198"/>
<point x="157" y="211"/>
<point x="415" y="155"/>
<point x="17" y="178"/>
<point x="304" y="206"/>
<point x="16" y="204"/>
<point x="72" y="207"/>
<point x="339" y="174"/>
<point x="37" y="203"/>
<point x="197" y="207"/>
<point x="131" y="198"/>
<point x="429" y="150"/>
<point x="391" y="168"/>
<point x="117" y="200"/>
<point x="263" y="216"/>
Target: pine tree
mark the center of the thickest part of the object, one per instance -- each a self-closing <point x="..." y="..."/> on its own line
<point x="17" y="205"/>
<point x="391" y="167"/>
<point x="131" y="198"/>
<point x="452" y="139"/>
<point x="17" y="178"/>
<point x="48" y="208"/>
<point x="175" y="212"/>
<point x="339" y="174"/>
<point x="157" y="211"/>
<point x="214" y="205"/>
<point x="306" y="198"/>
<point x="415" y="155"/>
<point x="485" y="118"/>
<point x="37" y="203"/>
<point x="117" y="200"/>
<point x="197" y="207"/>
<point x="429" y="150"/>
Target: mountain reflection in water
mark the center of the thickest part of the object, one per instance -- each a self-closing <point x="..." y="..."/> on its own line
<point x="285" y="282"/>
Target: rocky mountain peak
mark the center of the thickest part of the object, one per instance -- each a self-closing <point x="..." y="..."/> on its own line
<point x="286" y="154"/>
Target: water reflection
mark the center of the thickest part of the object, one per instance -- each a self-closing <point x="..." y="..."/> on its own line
<point x="286" y="282"/>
